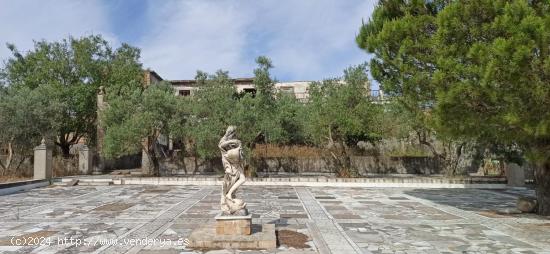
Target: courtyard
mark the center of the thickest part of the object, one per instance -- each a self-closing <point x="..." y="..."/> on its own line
<point x="157" y="219"/>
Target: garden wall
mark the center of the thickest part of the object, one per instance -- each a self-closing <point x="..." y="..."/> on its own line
<point x="307" y="165"/>
<point x="364" y="164"/>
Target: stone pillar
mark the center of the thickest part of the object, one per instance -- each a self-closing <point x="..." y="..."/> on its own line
<point x="84" y="160"/>
<point x="515" y="175"/>
<point x="100" y="135"/>
<point x="145" y="165"/>
<point x="170" y="143"/>
<point x="42" y="162"/>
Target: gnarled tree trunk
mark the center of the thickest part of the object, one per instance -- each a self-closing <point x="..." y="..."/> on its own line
<point x="542" y="179"/>
<point x="65" y="143"/>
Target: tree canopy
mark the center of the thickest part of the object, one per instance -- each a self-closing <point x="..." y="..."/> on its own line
<point x="341" y="113"/>
<point x="75" y="68"/>
<point x="26" y="116"/>
<point x="476" y="70"/>
<point x="137" y="121"/>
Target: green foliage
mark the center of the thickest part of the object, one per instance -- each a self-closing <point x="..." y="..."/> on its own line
<point x="266" y="124"/>
<point x="137" y="120"/>
<point x="290" y="118"/>
<point x="262" y="117"/>
<point x="482" y="67"/>
<point x="339" y="114"/>
<point x="397" y="121"/>
<point x="493" y="72"/>
<point x="205" y="115"/>
<point x="401" y="35"/>
<point x="76" y="67"/>
<point x="263" y="82"/>
<point x="26" y="116"/>
<point x="343" y="111"/>
<point x="477" y="70"/>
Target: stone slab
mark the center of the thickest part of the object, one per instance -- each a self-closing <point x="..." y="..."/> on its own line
<point x="262" y="237"/>
<point x="427" y="221"/>
<point x="95" y="183"/>
<point x="233" y="217"/>
<point x="395" y="182"/>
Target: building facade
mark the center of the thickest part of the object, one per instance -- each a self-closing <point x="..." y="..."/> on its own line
<point x="299" y="89"/>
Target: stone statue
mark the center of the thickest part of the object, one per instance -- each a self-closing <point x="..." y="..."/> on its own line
<point x="232" y="160"/>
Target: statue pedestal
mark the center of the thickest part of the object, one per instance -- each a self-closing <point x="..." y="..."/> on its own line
<point x="233" y="225"/>
<point x="234" y="232"/>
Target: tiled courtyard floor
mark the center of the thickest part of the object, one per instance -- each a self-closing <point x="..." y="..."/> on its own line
<point x="157" y="219"/>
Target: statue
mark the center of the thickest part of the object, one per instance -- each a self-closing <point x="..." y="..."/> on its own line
<point x="232" y="160"/>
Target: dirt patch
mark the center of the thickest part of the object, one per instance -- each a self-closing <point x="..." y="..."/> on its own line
<point x="113" y="207"/>
<point x="34" y="238"/>
<point x="65" y="166"/>
<point x="292" y="239"/>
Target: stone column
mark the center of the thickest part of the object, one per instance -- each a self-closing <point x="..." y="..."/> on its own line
<point x="84" y="160"/>
<point x="42" y="162"/>
<point x="146" y="164"/>
<point x="100" y="135"/>
<point x="515" y="175"/>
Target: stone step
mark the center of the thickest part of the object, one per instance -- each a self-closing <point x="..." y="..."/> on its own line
<point x="95" y="183"/>
<point x="136" y="173"/>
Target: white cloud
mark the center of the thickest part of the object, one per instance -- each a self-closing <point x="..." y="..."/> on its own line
<point x="316" y="39"/>
<point x="195" y="35"/>
<point x="24" y="21"/>
<point x="306" y="39"/>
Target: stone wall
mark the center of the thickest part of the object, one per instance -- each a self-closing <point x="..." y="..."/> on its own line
<point x="190" y="166"/>
<point x="124" y="162"/>
<point x="307" y="165"/>
<point x="365" y="165"/>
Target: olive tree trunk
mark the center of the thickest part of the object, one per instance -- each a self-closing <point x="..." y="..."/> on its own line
<point x="542" y="179"/>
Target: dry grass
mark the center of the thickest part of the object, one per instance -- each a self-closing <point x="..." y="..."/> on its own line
<point x="292" y="239"/>
<point x="275" y="151"/>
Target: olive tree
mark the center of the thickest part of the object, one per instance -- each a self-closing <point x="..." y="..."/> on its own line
<point x="136" y="121"/>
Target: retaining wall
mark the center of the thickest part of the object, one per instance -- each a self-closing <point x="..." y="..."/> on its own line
<point x="309" y="165"/>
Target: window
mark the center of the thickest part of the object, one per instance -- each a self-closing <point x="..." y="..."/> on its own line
<point x="185" y="92"/>
<point x="251" y="91"/>
<point x="287" y="89"/>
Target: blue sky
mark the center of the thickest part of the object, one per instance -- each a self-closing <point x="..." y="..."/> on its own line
<point x="306" y="39"/>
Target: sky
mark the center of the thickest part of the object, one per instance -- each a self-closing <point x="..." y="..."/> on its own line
<point x="305" y="39"/>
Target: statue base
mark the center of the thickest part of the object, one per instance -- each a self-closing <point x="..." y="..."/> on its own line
<point x="234" y="224"/>
<point x="234" y="232"/>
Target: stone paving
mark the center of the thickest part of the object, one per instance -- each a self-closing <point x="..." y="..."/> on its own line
<point x="157" y="219"/>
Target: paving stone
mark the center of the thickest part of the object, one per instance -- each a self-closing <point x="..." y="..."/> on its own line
<point x="337" y="219"/>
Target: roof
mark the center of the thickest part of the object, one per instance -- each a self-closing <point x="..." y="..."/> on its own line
<point x="157" y="76"/>
<point x="192" y="82"/>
